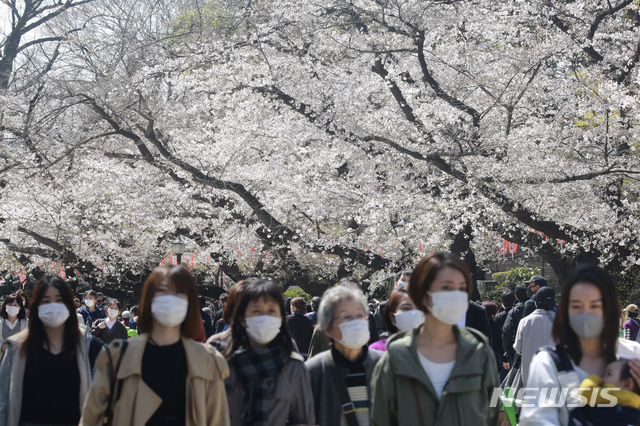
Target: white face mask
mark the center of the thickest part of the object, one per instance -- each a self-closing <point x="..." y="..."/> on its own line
<point x="113" y="313"/>
<point x="449" y="306"/>
<point x="355" y="333"/>
<point x="409" y="319"/>
<point x="402" y="284"/>
<point x="89" y="303"/>
<point x="263" y="328"/>
<point x="53" y="314"/>
<point x="13" y="311"/>
<point x="169" y="310"/>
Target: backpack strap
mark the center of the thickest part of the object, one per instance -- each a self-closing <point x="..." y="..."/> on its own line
<point x="347" y="408"/>
<point x="559" y="356"/>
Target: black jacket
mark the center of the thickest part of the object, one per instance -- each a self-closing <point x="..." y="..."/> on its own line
<point x="118" y="331"/>
<point x="477" y="318"/>
<point x="501" y="318"/>
<point x="510" y="328"/>
<point x="206" y="322"/>
<point x="91" y="316"/>
<point x="301" y="329"/>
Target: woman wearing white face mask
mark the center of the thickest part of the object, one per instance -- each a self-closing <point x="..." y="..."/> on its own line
<point x="109" y="329"/>
<point x="13" y="317"/>
<point x="47" y="369"/>
<point x="400" y="314"/>
<point x="437" y="373"/>
<point x="340" y="376"/>
<point x="585" y="328"/>
<point x="164" y="377"/>
<point x="268" y="384"/>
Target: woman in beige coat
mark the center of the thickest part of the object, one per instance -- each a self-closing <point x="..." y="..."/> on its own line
<point x="162" y="377"/>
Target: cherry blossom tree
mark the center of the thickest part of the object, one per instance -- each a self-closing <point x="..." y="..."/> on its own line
<point x="307" y="141"/>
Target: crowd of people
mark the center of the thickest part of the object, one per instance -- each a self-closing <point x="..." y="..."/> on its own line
<point x="428" y="355"/>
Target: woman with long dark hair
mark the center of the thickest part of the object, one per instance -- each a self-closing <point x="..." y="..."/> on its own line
<point x="12" y="316"/>
<point x="586" y="331"/>
<point x="268" y="384"/>
<point x="164" y="377"/>
<point x="46" y="371"/>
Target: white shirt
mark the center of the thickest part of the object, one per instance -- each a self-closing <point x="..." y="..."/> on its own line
<point x="543" y="375"/>
<point x="110" y="322"/>
<point x="438" y="372"/>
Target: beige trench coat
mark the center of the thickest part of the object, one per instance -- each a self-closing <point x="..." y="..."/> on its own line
<point x="206" y="396"/>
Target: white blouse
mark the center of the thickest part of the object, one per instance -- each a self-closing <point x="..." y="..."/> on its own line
<point x="438" y="372"/>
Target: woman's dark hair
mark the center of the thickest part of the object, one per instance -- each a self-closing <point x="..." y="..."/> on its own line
<point x="36" y="336"/>
<point x="255" y="289"/>
<point x="391" y="307"/>
<point x="118" y="304"/>
<point x="183" y="282"/>
<point x="7" y="301"/>
<point x="427" y="270"/>
<point x="300" y="305"/>
<point x="230" y="302"/>
<point x="562" y="332"/>
<point x="27" y="302"/>
<point x="491" y="308"/>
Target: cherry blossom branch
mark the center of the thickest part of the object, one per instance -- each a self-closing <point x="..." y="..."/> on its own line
<point x="435" y="86"/>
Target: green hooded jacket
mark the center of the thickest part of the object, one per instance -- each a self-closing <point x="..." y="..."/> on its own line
<point x="399" y="384"/>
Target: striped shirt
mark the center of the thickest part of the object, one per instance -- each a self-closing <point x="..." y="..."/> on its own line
<point x="356" y="382"/>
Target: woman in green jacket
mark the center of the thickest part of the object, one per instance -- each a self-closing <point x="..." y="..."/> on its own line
<point x="439" y="373"/>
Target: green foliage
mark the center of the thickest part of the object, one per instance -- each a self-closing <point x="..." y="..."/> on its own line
<point x="495" y="293"/>
<point x="508" y="280"/>
<point x="297" y="292"/>
<point x="515" y="276"/>
<point x="194" y="25"/>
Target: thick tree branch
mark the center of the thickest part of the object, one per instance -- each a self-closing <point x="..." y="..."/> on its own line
<point x="435" y="86"/>
<point x="406" y="109"/>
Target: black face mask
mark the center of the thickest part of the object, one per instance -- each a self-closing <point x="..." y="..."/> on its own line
<point x="530" y="292"/>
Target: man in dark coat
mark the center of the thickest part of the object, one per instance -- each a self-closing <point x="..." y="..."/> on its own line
<point x="510" y="326"/>
<point x="533" y="285"/>
<point x="218" y="322"/>
<point x="300" y="327"/>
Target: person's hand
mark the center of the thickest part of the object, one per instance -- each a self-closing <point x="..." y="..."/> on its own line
<point x="505" y="365"/>
<point x="634" y="365"/>
<point x="4" y="347"/>
<point x="102" y="325"/>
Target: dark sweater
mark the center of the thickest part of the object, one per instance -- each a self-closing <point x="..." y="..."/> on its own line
<point x="51" y="390"/>
<point x="164" y="370"/>
<point x="106" y="334"/>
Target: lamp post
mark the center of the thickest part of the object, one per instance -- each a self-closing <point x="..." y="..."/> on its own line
<point x="178" y="249"/>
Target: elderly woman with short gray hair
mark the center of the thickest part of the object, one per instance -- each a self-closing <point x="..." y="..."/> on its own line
<point x="340" y="377"/>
